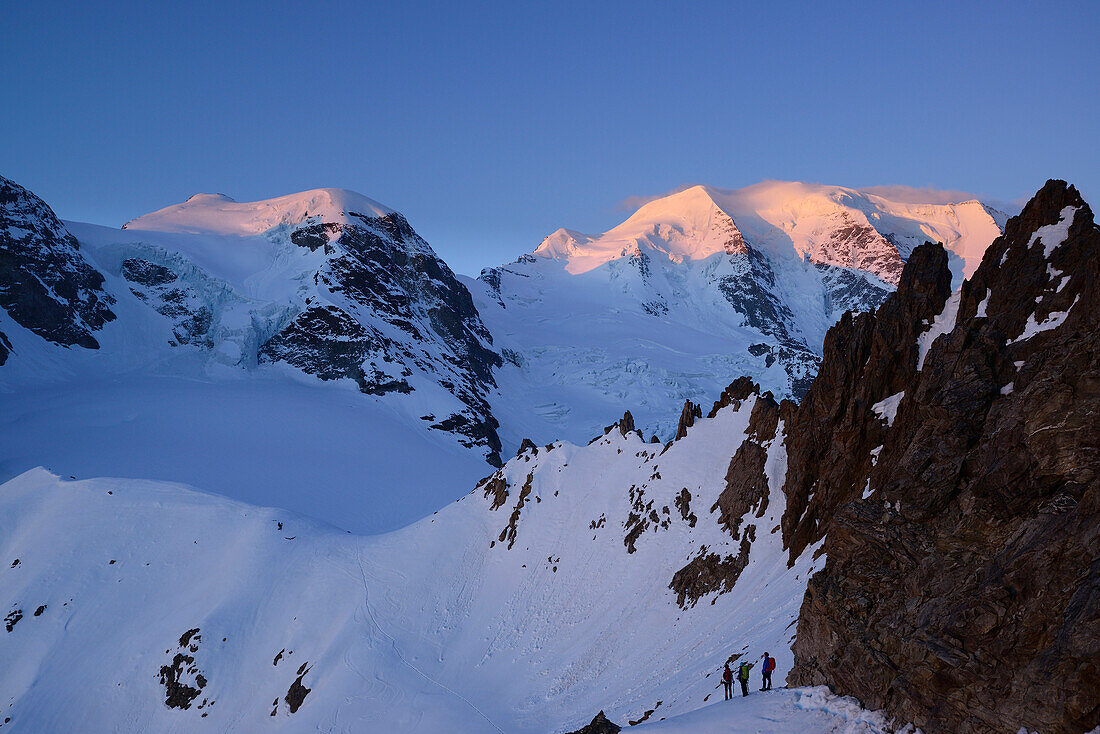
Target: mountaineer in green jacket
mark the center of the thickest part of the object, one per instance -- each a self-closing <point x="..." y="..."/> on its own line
<point x="743" y="676"/>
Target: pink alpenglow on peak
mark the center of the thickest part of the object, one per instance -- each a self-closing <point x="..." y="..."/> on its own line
<point x="219" y="214"/>
<point x="826" y="225"/>
<point x="688" y="225"/>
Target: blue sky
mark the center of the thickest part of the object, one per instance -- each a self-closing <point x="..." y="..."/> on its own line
<point x="492" y="124"/>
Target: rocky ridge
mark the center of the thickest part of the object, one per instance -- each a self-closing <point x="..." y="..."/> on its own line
<point x="953" y="476"/>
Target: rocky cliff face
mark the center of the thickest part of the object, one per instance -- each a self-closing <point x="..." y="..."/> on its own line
<point x="46" y="285"/>
<point x="948" y="453"/>
<point x="395" y="310"/>
<point x="868" y="357"/>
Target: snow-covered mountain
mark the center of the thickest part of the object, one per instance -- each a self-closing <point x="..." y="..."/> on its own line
<point x="327" y="282"/>
<point x="360" y="296"/>
<point x="254" y="304"/>
<point x="258" y="349"/>
<point x="695" y="289"/>
<point x="942" y="458"/>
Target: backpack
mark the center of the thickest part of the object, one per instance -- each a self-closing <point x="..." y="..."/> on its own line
<point x="744" y="674"/>
<point x="727" y="675"/>
<point x="769" y="666"/>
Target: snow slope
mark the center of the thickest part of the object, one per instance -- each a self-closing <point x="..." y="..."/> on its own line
<point x="794" y="711"/>
<point x="693" y="290"/>
<point x="439" y="626"/>
<point x="320" y="450"/>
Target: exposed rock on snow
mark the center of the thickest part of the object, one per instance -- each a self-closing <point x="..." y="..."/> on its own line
<point x="746" y="479"/>
<point x="962" y="594"/>
<point x="599" y="725"/>
<point x="46" y="285"/>
<point x="688" y="415"/>
<point x="182" y="680"/>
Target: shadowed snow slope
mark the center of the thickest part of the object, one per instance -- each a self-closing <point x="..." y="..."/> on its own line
<point x="317" y="450"/>
<point x="523" y="607"/>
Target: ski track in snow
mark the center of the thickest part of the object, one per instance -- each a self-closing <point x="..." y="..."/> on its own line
<point x="397" y="649"/>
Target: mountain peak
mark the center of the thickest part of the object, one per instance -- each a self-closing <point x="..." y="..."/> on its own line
<point x="220" y="214"/>
<point x="823" y="224"/>
<point x="687" y="225"/>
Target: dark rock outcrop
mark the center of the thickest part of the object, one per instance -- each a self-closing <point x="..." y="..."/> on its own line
<point x="867" y="357"/>
<point x="495" y="486"/>
<point x="327" y="342"/>
<point x="752" y="291"/>
<point x="847" y="289"/>
<point x="397" y="308"/>
<point x="12" y="619"/>
<point x="746" y="489"/>
<point x="160" y="288"/>
<point x="962" y="584"/>
<point x="709" y="573"/>
<point x="46" y="285"/>
<point x="509" y="532"/>
<point x="735" y="392"/>
<point x="599" y="725"/>
<point x="746" y="483"/>
<point x="182" y="680"/>
<point x="296" y="694"/>
<point x="688" y="415"/>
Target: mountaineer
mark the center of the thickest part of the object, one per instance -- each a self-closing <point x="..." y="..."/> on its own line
<point x="766" y="672"/>
<point x="743" y="676"/>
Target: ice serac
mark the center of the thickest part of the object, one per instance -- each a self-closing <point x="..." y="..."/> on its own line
<point x="46" y="285"/>
<point x="962" y="586"/>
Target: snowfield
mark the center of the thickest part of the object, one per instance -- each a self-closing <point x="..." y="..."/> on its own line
<point x="219" y="214"/>
<point x="792" y="711"/>
<point x="126" y="594"/>
<point x="319" y="450"/>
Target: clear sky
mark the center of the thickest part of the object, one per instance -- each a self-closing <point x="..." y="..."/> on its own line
<point x="492" y="124"/>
